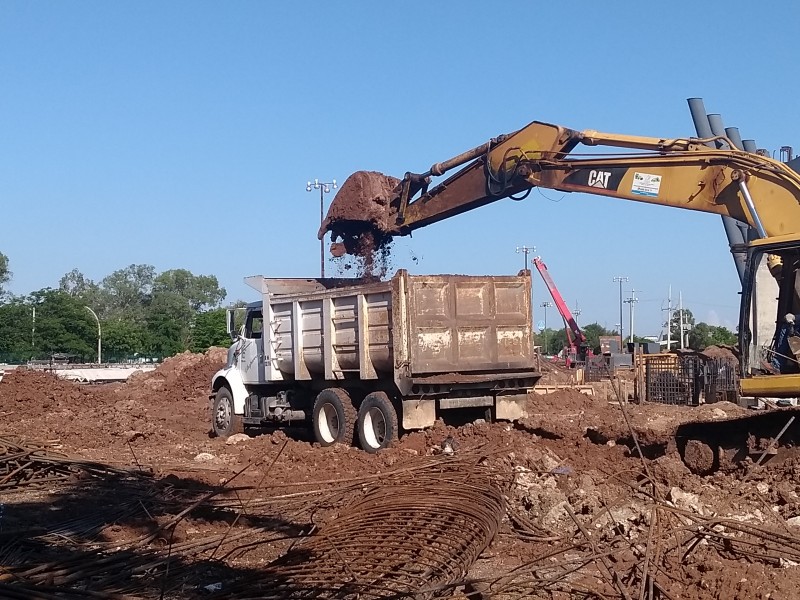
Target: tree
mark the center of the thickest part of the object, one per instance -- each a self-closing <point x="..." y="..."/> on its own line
<point x="5" y="273"/>
<point x="169" y="321"/>
<point x="199" y="291"/>
<point x="16" y="322"/>
<point x="123" y="339"/>
<point x="128" y="291"/>
<point x="209" y="330"/>
<point x="62" y="325"/>
<point x="703" y="335"/>
<point x="593" y="331"/>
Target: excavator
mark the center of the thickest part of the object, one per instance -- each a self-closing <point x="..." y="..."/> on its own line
<point x="371" y="208"/>
<point x="700" y="174"/>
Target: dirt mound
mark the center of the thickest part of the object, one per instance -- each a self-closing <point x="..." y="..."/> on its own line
<point x="180" y="377"/>
<point x="165" y="407"/>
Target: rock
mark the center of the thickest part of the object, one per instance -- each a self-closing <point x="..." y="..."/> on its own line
<point x="278" y="437"/>
<point x="236" y="438"/>
<point x="411" y="451"/>
<point x="204" y="457"/>
<point x="686" y="500"/>
<point x="718" y="413"/>
<point x="793" y="522"/>
<point x="762" y="488"/>
<point x="699" y="457"/>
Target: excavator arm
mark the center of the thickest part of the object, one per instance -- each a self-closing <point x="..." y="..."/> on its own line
<point x="679" y="172"/>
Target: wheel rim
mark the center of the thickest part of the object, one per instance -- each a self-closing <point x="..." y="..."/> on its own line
<point x="328" y="423"/>
<point x="223" y="417"/>
<point x="375" y="428"/>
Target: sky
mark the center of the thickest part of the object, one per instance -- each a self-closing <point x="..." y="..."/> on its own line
<point x="182" y="134"/>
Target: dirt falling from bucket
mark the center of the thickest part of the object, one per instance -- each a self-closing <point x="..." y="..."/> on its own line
<point x="360" y="221"/>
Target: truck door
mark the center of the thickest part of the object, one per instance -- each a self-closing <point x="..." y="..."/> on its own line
<point x="250" y="360"/>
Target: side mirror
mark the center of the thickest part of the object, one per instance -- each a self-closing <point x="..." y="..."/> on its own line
<point x="231" y="323"/>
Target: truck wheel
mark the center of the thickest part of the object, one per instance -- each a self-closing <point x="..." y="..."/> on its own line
<point x="333" y="417"/>
<point x="377" y="422"/>
<point x="223" y="420"/>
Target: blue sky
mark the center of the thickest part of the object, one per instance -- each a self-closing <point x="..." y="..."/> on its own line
<point x="182" y="134"/>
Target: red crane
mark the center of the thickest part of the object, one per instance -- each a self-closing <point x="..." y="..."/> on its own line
<point x="578" y="347"/>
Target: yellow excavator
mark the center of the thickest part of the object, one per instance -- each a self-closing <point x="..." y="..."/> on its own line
<point x="371" y="208"/>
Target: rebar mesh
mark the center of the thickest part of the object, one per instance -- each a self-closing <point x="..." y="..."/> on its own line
<point x="398" y="541"/>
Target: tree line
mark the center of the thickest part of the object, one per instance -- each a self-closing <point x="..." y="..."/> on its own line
<point x="141" y="313"/>
<point x="698" y="336"/>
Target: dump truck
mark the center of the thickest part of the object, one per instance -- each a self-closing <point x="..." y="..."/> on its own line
<point x="355" y="361"/>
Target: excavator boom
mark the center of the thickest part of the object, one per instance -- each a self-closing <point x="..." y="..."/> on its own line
<point x="678" y="172"/>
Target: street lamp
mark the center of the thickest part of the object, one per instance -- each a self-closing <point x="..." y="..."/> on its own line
<point x="621" y="320"/>
<point x="99" y="337"/>
<point x="545" y="305"/>
<point x="324" y="187"/>
<point x="525" y="250"/>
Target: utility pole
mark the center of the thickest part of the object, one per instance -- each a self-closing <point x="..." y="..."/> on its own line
<point x="620" y="279"/>
<point x="669" y="319"/>
<point x="680" y="332"/>
<point x="324" y="188"/>
<point x="631" y="301"/>
<point x="576" y="312"/>
<point x="545" y="305"/>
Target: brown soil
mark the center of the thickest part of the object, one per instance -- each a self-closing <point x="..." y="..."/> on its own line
<point x="573" y="453"/>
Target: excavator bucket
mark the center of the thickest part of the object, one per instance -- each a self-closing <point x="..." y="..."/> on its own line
<point x="361" y="216"/>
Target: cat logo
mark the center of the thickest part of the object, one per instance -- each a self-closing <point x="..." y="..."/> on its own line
<point x="598" y="179"/>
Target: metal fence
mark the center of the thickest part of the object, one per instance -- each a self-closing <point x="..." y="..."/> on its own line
<point x="689" y="380"/>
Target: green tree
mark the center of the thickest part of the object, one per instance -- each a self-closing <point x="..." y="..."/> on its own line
<point x="127" y="292"/>
<point x="123" y="339"/>
<point x="16" y="322"/>
<point x="209" y="330"/>
<point x="199" y="291"/>
<point x="63" y="325"/>
<point x="703" y="335"/>
<point x="593" y="331"/>
<point x="169" y="321"/>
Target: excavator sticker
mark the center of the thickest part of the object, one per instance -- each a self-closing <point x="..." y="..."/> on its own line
<point x="646" y="185"/>
<point x="604" y="179"/>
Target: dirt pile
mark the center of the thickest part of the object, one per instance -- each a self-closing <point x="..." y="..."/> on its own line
<point x="167" y="406"/>
<point x="181" y="377"/>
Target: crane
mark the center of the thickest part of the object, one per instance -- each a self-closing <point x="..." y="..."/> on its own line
<point x="577" y="345"/>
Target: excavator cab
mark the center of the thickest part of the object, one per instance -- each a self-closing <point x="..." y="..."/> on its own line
<point x="770" y="317"/>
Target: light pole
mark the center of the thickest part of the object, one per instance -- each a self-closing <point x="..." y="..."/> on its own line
<point x="324" y="187"/>
<point x="545" y="305"/>
<point x="621" y="320"/>
<point x="99" y="337"/>
<point x="525" y="250"/>
<point x="631" y="301"/>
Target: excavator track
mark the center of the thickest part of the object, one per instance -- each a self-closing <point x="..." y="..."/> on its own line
<point x="726" y="444"/>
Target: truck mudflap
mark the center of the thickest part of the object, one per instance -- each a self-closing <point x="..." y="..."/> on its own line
<point x="232" y="379"/>
<point x="723" y="445"/>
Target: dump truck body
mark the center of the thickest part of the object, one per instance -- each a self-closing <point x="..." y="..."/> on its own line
<point x="428" y="343"/>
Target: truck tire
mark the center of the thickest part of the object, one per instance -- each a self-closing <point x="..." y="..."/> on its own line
<point x="224" y="422"/>
<point x="377" y="422"/>
<point x="333" y="418"/>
